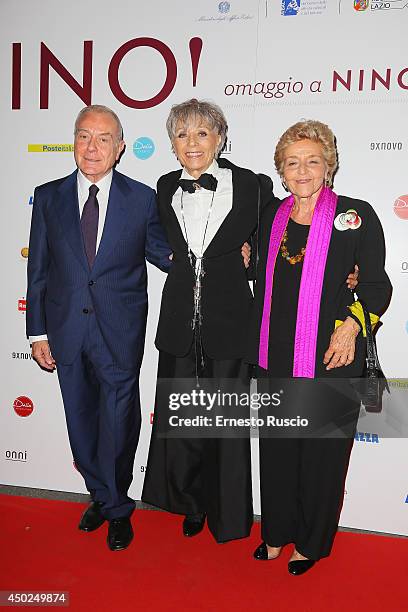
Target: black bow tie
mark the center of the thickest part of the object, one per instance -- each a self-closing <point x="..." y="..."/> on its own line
<point x="207" y="181"/>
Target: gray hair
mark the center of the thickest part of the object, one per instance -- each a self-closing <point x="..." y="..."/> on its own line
<point x="100" y="108"/>
<point x="186" y="112"/>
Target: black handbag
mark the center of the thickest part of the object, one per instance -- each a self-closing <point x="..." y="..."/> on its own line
<point x="372" y="385"/>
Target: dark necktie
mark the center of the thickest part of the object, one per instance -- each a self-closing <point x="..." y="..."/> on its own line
<point x="207" y="181"/>
<point x="89" y="224"/>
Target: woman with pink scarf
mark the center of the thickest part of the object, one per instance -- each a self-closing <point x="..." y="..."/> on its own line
<point x="307" y="339"/>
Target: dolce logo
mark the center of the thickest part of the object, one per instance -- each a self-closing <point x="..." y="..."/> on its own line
<point x="401" y="207"/>
<point x="143" y="147"/>
<point x="23" y="406"/>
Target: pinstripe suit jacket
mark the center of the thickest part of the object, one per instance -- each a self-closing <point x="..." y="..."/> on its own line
<point x="63" y="291"/>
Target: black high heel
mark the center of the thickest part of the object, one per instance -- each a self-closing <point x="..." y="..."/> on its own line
<point x="300" y="566"/>
<point x="261" y="553"/>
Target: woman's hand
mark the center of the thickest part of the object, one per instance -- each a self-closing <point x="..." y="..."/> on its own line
<point x="352" y="279"/>
<point x="246" y="254"/>
<point x="342" y="345"/>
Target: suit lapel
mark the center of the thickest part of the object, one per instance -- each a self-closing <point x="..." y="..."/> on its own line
<point x="168" y="189"/>
<point x="116" y="218"/>
<point x="243" y="194"/>
<point x="67" y="209"/>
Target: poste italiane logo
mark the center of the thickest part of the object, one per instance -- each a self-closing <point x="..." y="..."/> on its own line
<point x="50" y="148"/>
<point x="23" y="406"/>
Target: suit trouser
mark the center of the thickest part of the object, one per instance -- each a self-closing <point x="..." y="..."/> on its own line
<point x="193" y="475"/>
<point x="102" y="409"/>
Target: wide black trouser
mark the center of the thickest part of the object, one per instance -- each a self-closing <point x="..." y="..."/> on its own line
<point x="102" y="409"/>
<point x="302" y="478"/>
<point x="302" y="487"/>
<point x="193" y="475"/>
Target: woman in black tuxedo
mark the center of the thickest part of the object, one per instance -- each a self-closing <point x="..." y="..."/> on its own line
<point x="209" y="209"/>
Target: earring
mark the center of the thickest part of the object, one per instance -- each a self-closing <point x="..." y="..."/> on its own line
<point x="284" y="185"/>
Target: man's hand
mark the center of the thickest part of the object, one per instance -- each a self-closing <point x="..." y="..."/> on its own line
<point x="352" y="279"/>
<point x="342" y="345"/>
<point x="40" y="351"/>
<point x="246" y="254"/>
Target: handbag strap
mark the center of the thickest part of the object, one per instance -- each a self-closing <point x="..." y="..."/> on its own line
<point x="372" y="356"/>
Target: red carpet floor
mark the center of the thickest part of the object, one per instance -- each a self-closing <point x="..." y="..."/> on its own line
<point x="41" y="549"/>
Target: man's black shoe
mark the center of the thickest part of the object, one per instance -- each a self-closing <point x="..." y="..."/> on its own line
<point x="120" y="533"/>
<point x="92" y="517"/>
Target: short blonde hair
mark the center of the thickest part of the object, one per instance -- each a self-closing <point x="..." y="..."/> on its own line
<point x="311" y="130"/>
<point x="192" y="109"/>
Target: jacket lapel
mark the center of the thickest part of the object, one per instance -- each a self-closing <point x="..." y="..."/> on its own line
<point x="67" y="209"/>
<point x="244" y="194"/>
<point x="166" y="192"/>
<point x="116" y="218"/>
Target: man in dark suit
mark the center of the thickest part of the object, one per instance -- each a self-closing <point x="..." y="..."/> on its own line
<point x="91" y="233"/>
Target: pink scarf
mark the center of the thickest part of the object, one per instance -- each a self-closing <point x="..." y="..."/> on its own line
<point x="311" y="283"/>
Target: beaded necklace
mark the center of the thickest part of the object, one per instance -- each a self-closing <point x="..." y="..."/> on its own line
<point x="292" y="259"/>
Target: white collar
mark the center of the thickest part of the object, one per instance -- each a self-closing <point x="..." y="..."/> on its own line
<point x="213" y="169"/>
<point x="104" y="183"/>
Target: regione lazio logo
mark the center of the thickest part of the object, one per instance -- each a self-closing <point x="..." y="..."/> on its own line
<point x="143" y="147"/>
<point x="290" y="7"/>
<point x="391" y="4"/>
<point x="224" y="7"/>
<point x="23" y="406"/>
<point x="361" y="5"/>
<point x="401" y="207"/>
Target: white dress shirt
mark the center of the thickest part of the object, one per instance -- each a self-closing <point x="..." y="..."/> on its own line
<point x="102" y="196"/>
<point x="196" y="206"/>
<point x="83" y="185"/>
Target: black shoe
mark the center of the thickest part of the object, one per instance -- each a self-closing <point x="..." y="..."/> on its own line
<point x="296" y="568"/>
<point x="92" y="517"/>
<point x="261" y="553"/>
<point x="120" y="533"/>
<point x="193" y="524"/>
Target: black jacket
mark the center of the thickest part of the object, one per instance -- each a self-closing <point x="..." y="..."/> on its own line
<point x="226" y="295"/>
<point x="363" y="246"/>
